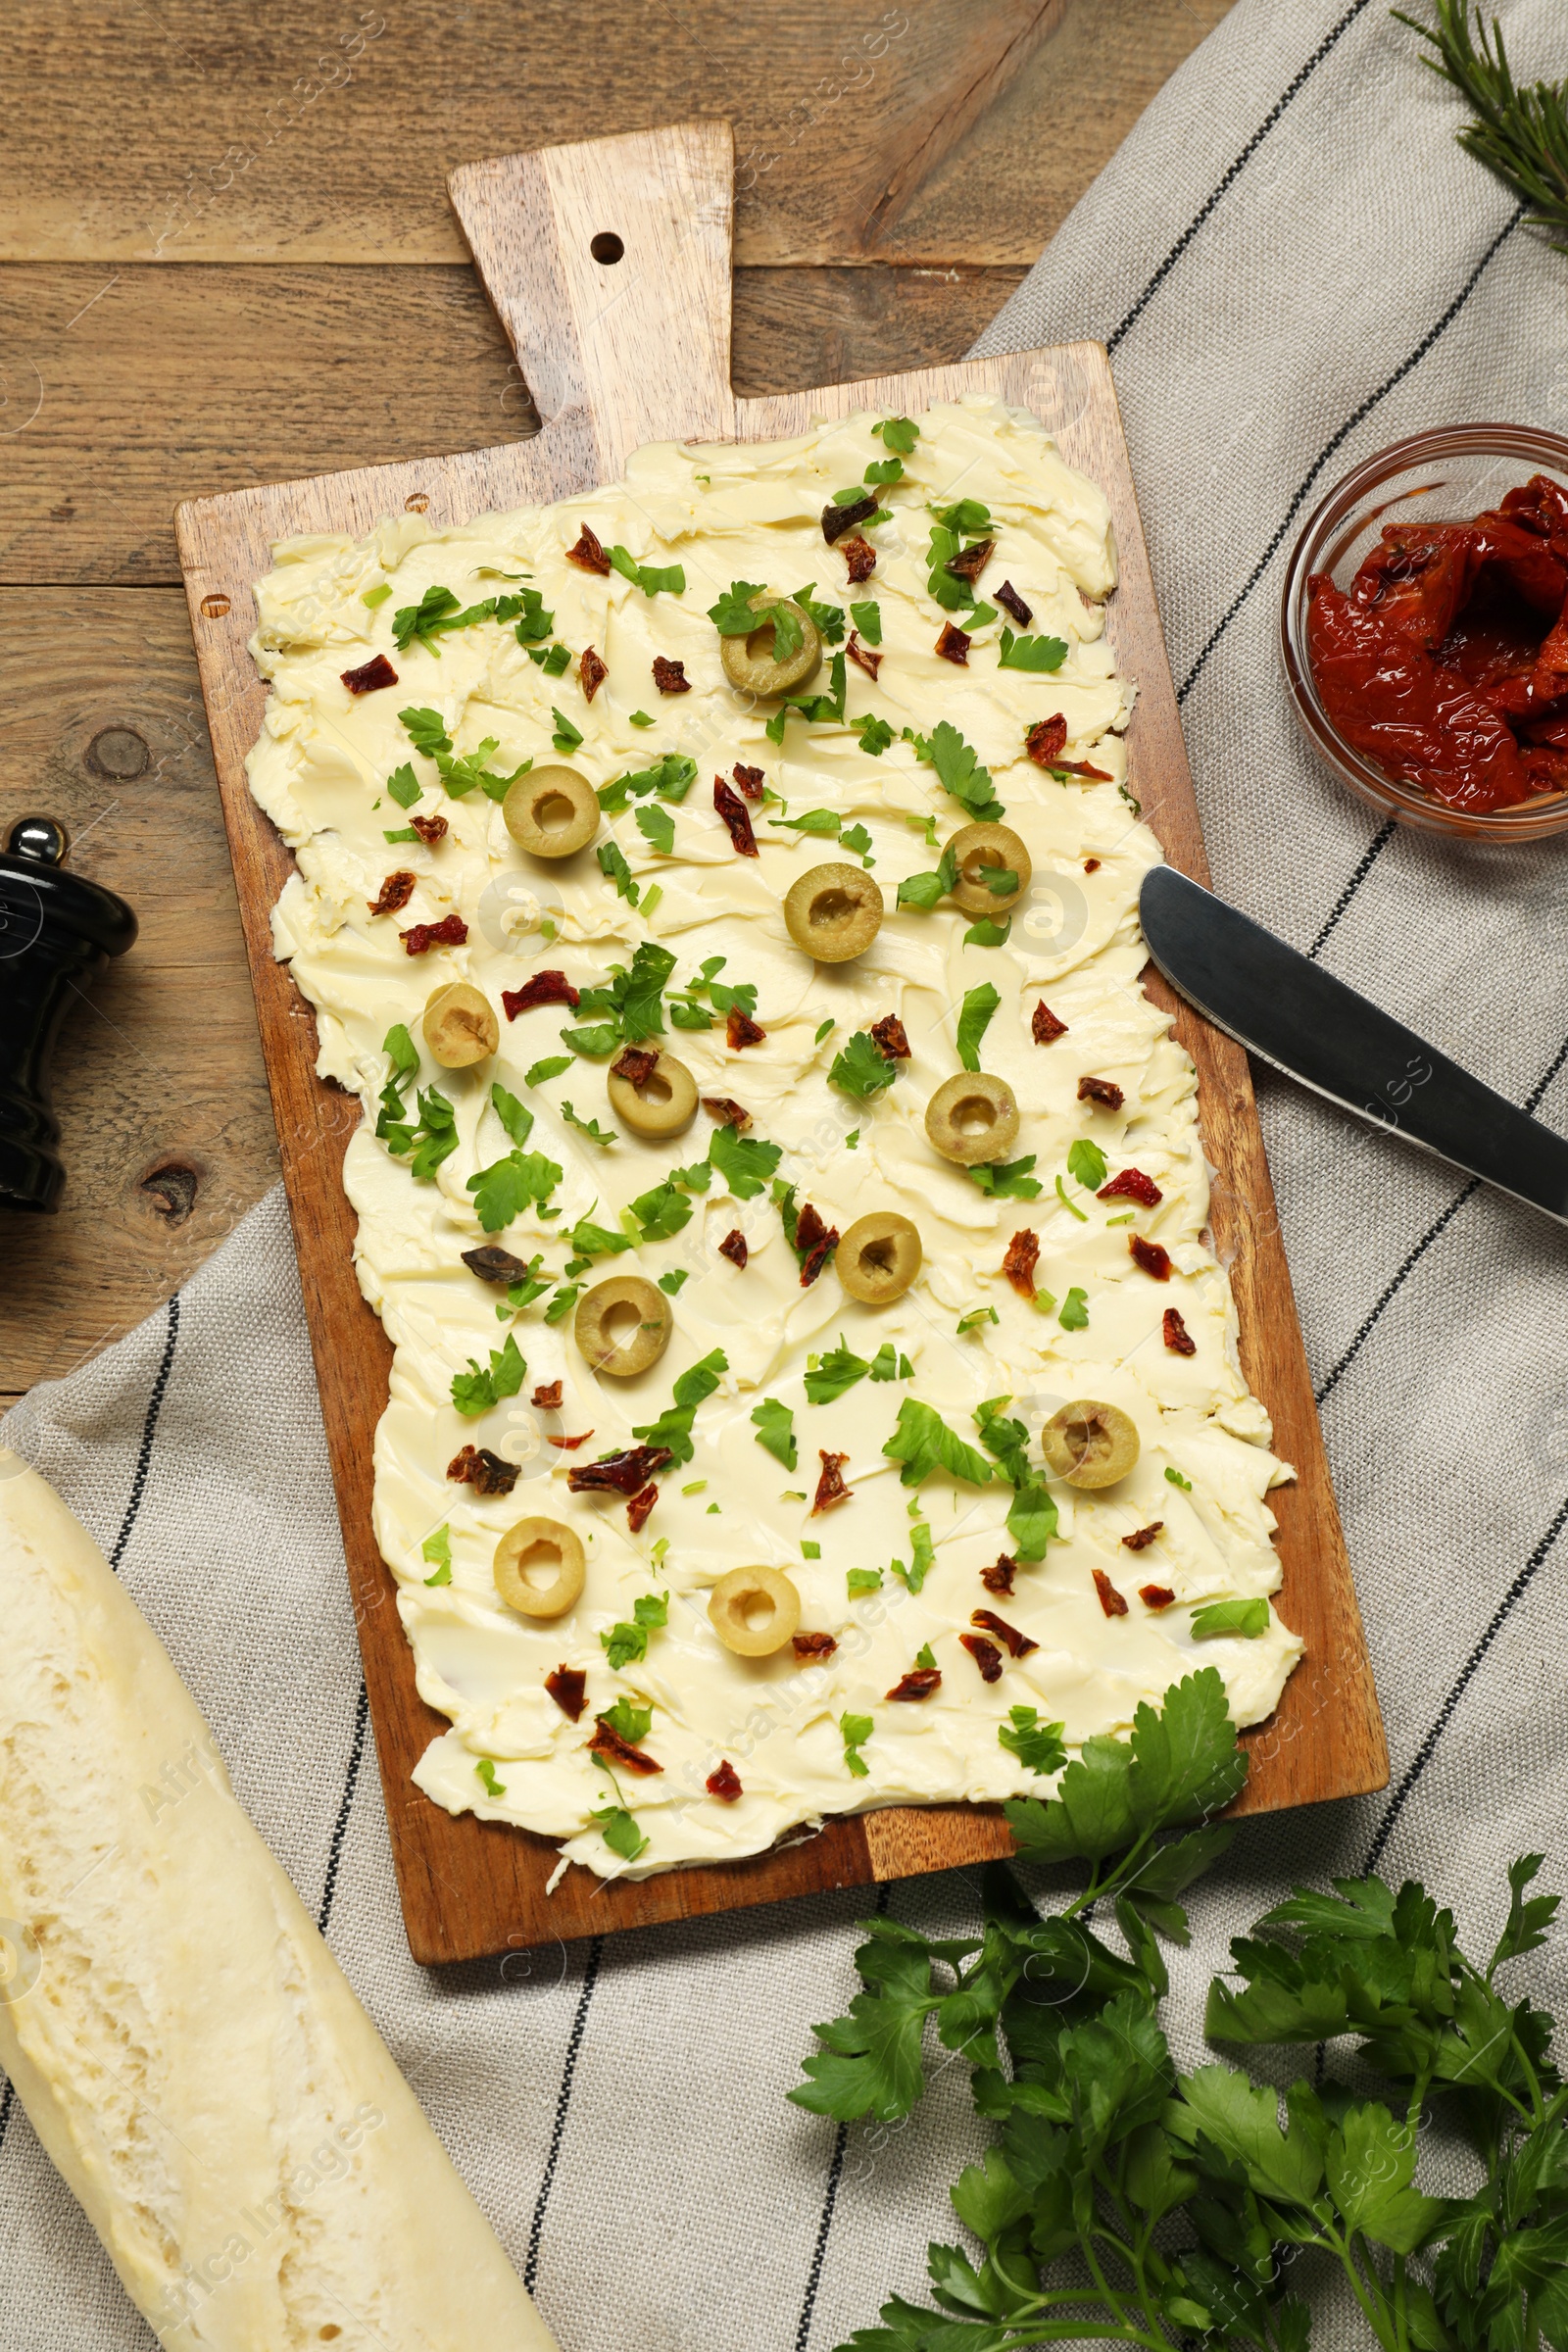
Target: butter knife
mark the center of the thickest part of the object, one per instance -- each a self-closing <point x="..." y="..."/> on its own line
<point x="1301" y="1020"/>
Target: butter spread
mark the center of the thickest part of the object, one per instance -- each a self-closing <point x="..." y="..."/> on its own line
<point x="961" y="1336"/>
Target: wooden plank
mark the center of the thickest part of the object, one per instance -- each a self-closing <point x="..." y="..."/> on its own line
<point x="168" y="1138"/>
<point x="298" y="133"/>
<point x="466" y="1888"/>
<point x="237" y="138"/>
<point x="293" y="371"/>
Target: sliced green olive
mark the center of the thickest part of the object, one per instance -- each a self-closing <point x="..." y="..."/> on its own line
<point x="623" y="1325"/>
<point x="552" y="811"/>
<point x="971" y="1118"/>
<point x="539" y="1568"/>
<point x="662" y="1104"/>
<point x="975" y="846"/>
<point x="1089" y="1444"/>
<point x="834" y="912"/>
<point x="749" y="661"/>
<point x="754" y="1611"/>
<point x="459" y="1026"/>
<point x="879" y="1257"/>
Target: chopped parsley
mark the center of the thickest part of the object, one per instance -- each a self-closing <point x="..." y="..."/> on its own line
<point x="959" y="771"/>
<point x="462" y="775"/>
<point x="671" y="1283"/>
<point x="1036" y="1746"/>
<point x="504" y="1189"/>
<point x="976" y="1317"/>
<point x="649" y="577"/>
<point x="437" y="1551"/>
<point x="619" y="1832"/>
<point x="438" y="611"/>
<point x="862" y="1579"/>
<point x="1085" y="1163"/>
<point x="868" y="619"/>
<point x="923" y="1443"/>
<point x="835" y="1372"/>
<point x="1074" y="1316"/>
<point x="486" y="1771"/>
<point x="551" y="1067"/>
<point x="658" y="828"/>
<point x="1031" y="652"/>
<point x="861" y="1069"/>
<point x="674" y="1428"/>
<point x="899" y="433"/>
<point x="624" y="1643"/>
<point x="475" y="1391"/>
<point x="425" y="729"/>
<point x="638" y="718"/>
<point x="829" y="619"/>
<point x="884" y="469"/>
<point x="988" y="934"/>
<point x="774" y="1424"/>
<point x="741" y="1161"/>
<point x="732" y="615"/>
<point x="1176" y="1480"/>
<point x="376" y="596"/>
<point x="979" y="1004"/>
<point x="1250" y="1618"/>
<point x="671" y="777"/>
<point x="588" y="1127"/>
<point x="567" y="737"/>
<point x="855" y="1730"/>
<point x="405" y="786"/>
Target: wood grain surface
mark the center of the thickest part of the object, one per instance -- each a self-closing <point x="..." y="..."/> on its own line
<point x="614" y="354"/>
<point x="221" y="263"/>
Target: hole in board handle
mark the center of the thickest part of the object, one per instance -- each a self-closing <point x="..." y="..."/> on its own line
<point x="417" y="502"/>
<point x="606" y="247"/>
<point x="213" y="606"/>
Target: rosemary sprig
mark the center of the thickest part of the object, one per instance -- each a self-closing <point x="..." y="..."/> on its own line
<point x="1519" y="133"/>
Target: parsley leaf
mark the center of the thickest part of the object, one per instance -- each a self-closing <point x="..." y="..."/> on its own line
<point x="1031" y="652"/>
<point x="567" y="737"/>
<point x="649" y="577"/>
<point x="924" y="890"/>
<point x="619" y="1832"/>
<point x="1036" y="1746"/>
<point x="485" y="1768"/>
<point x="514" y="1116"/>
<point x="732" y="615"/>
<point x="959" y="771"/>
<point x="405" y="786"/>
<point x="923" y="1441"/>
<point x="536" y="623"/>
<point x="674" y="1428"/>
<point x="979" y="1004"/>
<point x="1074" y="1316"/>
<point x="588" y="1127"/>
<point x="875" y="734"/>
<point x="815" y="821"/>
<point x="437" y="1551"/>
<point x="884" y="469"/>
<point x="1247" y="1617"/>
<point x="624" y="1643"/>
<point x="504" y="1190"/>
<point x="862" y="1579"/>
<point x="855" y="1730"/>
<point x="1178" y="1766"/>
<point x="868" y="619"/>
<point x="829" y="619"/>
<point x="987" y="934"/>
<point x="426" y="730"/>
<point x="742" y="1162"/>
<point x="859" y="1069"/>
<point x="837" y="1370"/>
<point x="899" y="434"/>
<point x="1175" y="1478"/>
<point x="596" y="1042"/>
<point x="538" y="1072"/>
<point x="1085" y="1163"/>
<point x="658" y="828"/>
<point x="478" y="1390"/>
<point x="462" y="775"/>
<point x="774" y="1424"/>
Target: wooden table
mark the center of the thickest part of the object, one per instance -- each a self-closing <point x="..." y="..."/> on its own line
<point x="227" y="255"/>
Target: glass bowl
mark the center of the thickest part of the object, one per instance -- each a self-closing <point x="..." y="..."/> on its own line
<point x="1455" y="472"/>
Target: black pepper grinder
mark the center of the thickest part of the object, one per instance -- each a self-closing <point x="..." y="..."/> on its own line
<point x="57" y="932"/>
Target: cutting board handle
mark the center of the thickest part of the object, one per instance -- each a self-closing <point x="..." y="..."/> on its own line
<point x="608" y="266"/>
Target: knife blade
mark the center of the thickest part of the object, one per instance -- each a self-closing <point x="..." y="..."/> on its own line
<point x="1302" y="1021"/>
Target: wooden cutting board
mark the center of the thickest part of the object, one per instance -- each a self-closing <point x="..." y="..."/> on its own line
<point x="609" y="265"/>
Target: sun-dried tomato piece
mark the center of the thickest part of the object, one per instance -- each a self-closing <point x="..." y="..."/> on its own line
<point x="1045" y="1026"/>
<point x="571" y="1445"/>
<point x="733" y="1247"/>
<point x="736" y="815"/>
<point x="838" y="521"/>
<point x="1046" y="740"/>
<point x="998" y="1577"/>
<point x="671" y="676"/>
<point x="954" y="645"/>
<point x="890" y="1038"/>
<point x="1132" y="1185"/>
<point x="830" y="1487"/>
<point x="815" y="1645"/>
<point x="1011" y="601"/>
<point x="1091" y="865"/>
<point x="1018" y="1645"/>
<point x="865" y="657"/>
<point x="450" y="932"/>
<point x="546" y="1397"/>
<point x="1178" y="1339"/>
<point x="741" y="1031"/>
<point x="1101" y="1090"/>
<point x="635" y="1064"/>
<point x="370" y="675"/>
<point x="861" y="557"/>
<point x="814" y="1242"/>
<point x="918" y="1683"/>
<point x="618" y="1473"/>
<point x="592" y="672"/>
<point x="1021" y="1259"/>
<point x="545" y="988"/>
<point x="588" y="555"/>
<point x="1152" y="1256"/>
<point x="567" y="1686"/>
<point x="986" y="1655"/>
<point x="1110" y="1600"/>
<point x="1081" y="767"/>
<point x="495" y="1266"/>
<point x="724" y="1781"/>
<point x="607" y="1741"/>
<point x="1142" y="1537"/>
<point x="971" y="562"/>
<point x="726" y="1111"/>
<point x="638" y="1507"/>
<point x="430" y="829"/>
<point x="1155" y="1597"/>
<point x="395" y="893"/>
<point x="485" y="1472"/>
<point x="750" y="780"/>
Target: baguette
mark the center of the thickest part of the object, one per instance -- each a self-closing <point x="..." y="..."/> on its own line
<point x="186" y="2046"/>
